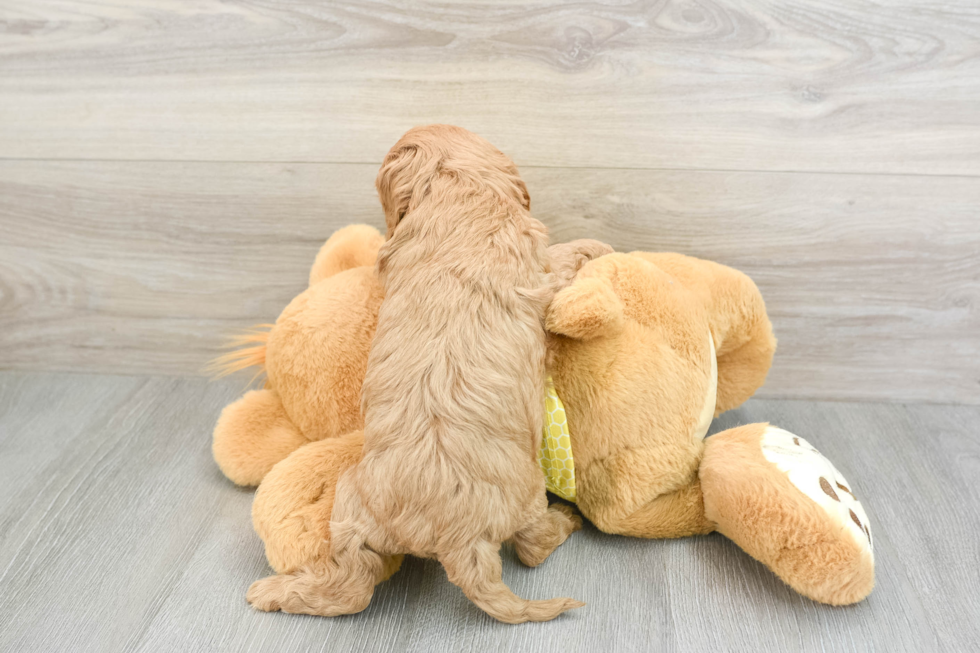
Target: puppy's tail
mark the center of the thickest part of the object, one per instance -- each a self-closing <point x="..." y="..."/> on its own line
<point x="477" y="572"/>
<point x="503" y="605"/>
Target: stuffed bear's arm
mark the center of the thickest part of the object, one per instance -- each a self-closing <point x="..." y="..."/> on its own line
<point x="739" y="323"/>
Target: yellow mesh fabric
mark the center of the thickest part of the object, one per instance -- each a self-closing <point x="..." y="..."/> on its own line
<point x="555" y="456"/>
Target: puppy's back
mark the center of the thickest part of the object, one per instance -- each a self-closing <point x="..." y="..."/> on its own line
<point x="452" y="396"/>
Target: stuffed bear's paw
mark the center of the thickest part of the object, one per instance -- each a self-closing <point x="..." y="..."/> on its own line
<point x="786" y="505"/>
<point x="267" y="594"/>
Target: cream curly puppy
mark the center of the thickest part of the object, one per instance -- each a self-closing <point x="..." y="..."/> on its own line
<point x="453" y="395"/>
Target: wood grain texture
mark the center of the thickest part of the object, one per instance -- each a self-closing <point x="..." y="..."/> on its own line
<point x="118" y="533"/>
<point x="146" y="267"/>
<point x="838" y="85"/>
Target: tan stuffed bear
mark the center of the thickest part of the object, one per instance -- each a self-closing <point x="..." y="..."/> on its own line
<point x="314" y="358"/>
<point x="647" y="348"/>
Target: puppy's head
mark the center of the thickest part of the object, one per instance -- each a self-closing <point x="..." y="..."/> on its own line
<point x="426" y="154"/>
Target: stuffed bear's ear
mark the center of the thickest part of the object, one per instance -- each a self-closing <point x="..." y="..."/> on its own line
<point x="351" y="247"/>
<point x="589" y="308"/>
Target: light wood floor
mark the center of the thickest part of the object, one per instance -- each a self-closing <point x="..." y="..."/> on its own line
<point x="168" y="169"/>
<point x="118" y="533"/>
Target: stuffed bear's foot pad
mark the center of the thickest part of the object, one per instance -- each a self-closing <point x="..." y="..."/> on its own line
<point x="817" y="478"/>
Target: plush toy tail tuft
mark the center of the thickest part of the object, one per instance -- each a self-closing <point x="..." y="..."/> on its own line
<point x="249" y="351"/>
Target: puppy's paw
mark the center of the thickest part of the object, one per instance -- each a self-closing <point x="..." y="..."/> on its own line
<point x="267" y="594"/>
<point x="567" y="516"/>
<point x="587" y="249"/>
<point x="568" y="258"/>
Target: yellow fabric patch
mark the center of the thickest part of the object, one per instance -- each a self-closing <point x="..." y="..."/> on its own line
<point x="555" y="456"/>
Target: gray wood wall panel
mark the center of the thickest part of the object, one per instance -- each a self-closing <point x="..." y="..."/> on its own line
<point x="144" y="267"/>
<point x="118" y="533"/>
<point x="167" y="170"/>
<point x="839" y="85"/>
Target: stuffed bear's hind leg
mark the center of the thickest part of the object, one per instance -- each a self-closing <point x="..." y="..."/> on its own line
<point x="773" y="494"/>
<point x="252" y="435"/>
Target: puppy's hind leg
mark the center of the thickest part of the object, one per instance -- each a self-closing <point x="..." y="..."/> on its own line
<point x="536" y="541"/>
<point x="477" y="571"/>
<point x="341" y="584"/>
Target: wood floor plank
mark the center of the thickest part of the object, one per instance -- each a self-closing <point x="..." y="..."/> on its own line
<point x="144" y="268"/>
<point x="62" y="413"/>
<point x="101" y="533"/>
<point x="842" y="85"/>
<point x="144" y="546"/>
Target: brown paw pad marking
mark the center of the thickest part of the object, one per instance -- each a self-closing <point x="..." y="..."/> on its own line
<point x="816" y="477"/>
<point x="864" y="529"/>
<point x="829" y="491"/>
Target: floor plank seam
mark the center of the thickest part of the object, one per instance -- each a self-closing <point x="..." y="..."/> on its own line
<point x="528" y="166"/>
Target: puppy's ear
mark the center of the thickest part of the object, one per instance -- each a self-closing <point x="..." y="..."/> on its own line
<point x="589" y="308"/>
<point x="525" y="196"/>
<point x="403" y="182"/>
